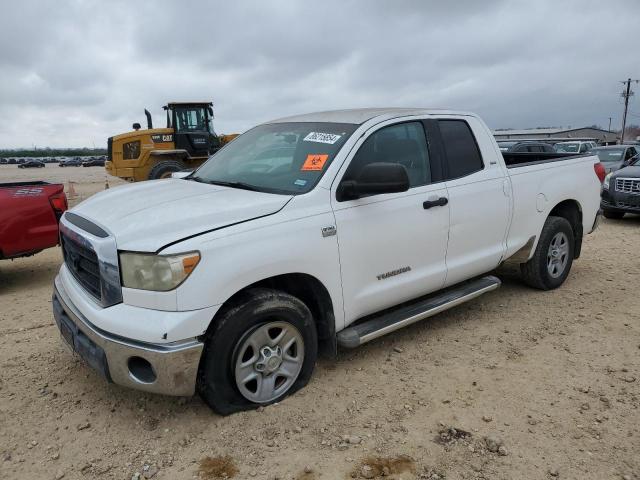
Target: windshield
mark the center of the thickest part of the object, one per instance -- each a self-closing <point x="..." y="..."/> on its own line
<point x="504" y="146"/>
<point x="284" y="158"/>
<point x="609" y="154"/>
<point x="567" y="147"/>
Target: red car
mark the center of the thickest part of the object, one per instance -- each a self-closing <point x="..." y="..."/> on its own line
<point x="29" y="216"/>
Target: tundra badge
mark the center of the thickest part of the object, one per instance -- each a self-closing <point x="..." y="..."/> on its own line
<point x="329" y="231"/>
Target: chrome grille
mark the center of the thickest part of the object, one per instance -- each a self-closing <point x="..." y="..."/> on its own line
<point x="82" y="262"/>
<point x="628" y="185"/>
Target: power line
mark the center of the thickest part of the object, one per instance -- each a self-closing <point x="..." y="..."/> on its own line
<point x="626" y="94"/>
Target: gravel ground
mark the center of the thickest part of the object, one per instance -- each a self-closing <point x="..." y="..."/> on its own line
<point x="517" y="384"/>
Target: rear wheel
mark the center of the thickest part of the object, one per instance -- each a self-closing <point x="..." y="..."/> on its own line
<point x="613" y="215"/>
<point x="165" y="168"/>
<point x="262" y="349"/>
<point x="552" y="260"/>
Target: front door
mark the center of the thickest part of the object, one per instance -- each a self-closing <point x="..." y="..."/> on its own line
<point x="392" y="248"/>
<point x="191" y="130"/>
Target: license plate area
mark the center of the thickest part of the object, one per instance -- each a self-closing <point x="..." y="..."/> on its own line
<point x="67" y="334"/>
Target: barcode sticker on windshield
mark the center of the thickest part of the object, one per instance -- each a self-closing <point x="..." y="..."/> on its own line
<point x="319" y="137"/>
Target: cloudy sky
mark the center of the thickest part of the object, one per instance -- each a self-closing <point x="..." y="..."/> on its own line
<point x="73" y="73"/>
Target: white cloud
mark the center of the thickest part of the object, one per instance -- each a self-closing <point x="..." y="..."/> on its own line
<point x="75" y="74"/>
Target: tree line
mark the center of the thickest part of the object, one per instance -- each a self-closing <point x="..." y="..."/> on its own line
<point x="53" y="152"/>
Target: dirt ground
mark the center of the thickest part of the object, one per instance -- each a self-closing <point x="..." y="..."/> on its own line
<point x="553" y="378"/>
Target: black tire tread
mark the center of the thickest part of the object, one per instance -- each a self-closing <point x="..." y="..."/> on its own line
<point x="532" y="272"/>
<point x="158" y="169"/>
<point x="252" y="299"/>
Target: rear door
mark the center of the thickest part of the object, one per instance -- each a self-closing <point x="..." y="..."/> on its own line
<point x="479" y="198"/>
<point x="392" y="247"/>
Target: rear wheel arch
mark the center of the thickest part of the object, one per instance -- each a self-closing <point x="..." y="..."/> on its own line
<point x="571" y="210"/>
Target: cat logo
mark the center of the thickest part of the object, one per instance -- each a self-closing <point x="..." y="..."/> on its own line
<point x="160" y="138"/>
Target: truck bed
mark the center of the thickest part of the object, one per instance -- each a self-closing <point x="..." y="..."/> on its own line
<point x="29" y="214"/>
<point x="23" y="184"/>
<point x="524" y="159"/>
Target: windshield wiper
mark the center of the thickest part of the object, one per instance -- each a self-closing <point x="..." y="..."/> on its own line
<point x="196" y="179"/>
<point x="241" y="185"/>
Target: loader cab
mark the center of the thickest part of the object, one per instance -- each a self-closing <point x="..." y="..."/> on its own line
<point x="192" y="125"/>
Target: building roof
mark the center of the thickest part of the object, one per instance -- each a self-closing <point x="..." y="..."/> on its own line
<point x="361" y="115"/>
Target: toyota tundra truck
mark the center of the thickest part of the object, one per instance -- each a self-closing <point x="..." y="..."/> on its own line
<point x="303" y="235"/>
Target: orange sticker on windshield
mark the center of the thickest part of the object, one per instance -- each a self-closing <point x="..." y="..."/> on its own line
<point x="314" y="162"/>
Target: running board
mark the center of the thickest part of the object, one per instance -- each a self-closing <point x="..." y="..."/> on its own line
<point x="392" y="320"/>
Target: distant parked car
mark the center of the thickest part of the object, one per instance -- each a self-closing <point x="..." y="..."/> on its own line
<point x="525" y="146"/>
<point x="12" y="161"/>
<point x="31" y="164"/>
<point x="621" y="191"/>
<point x="573" y="147"/>
<point x="3" y="161"/>
<point x="74" y="162"/>
<point x="94" y="162"/>
<point x="615" y="157"/>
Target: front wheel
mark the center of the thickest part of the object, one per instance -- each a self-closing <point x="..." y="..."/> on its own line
<point x="262" y="349"/>
<point x="552" y="260"/>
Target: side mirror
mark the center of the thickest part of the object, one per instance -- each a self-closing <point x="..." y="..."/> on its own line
<point x="374" y="179"/>
<point x="136" y="126"/>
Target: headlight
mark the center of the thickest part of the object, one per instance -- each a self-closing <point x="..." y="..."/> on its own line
<point x="605" y="184"/>
<point x="160" y="273"/>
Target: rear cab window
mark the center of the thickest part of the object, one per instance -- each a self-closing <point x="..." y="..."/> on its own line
<point x="461" y="151"/>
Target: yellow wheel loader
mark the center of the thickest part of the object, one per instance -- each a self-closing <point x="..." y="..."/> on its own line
<point x="186" y="142"/>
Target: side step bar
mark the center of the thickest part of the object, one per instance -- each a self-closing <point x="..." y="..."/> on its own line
<point x="406" y="314"/>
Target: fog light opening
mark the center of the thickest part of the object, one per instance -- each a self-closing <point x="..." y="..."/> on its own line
<point x="141" y="370"/>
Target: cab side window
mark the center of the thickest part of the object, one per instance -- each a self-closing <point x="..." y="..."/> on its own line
<point x="630" y="153"/>
<point x="404" y="143"/>
<point x="461" y="150"/>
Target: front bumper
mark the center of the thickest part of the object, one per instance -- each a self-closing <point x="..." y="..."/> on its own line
<point x="169" y="369"/>
<point x="615" y="201"/>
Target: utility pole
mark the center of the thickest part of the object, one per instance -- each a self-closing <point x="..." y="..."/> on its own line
<point x="626" y="94"/>
<point x="609" y="123"/>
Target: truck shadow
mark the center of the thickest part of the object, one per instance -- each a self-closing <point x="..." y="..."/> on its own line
<point x="27" y="274"/>
<point x="628" y="219"/>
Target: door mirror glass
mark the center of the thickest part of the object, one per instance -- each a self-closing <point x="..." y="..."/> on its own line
<point x="374" y="179"/>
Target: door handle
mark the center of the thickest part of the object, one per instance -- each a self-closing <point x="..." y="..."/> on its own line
<point x="440" y="202"/>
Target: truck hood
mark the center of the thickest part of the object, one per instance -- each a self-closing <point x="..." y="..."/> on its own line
<point x="146" y="216"/>
<point x="632" y="171"/>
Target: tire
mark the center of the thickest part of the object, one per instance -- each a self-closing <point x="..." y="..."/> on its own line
<point x="165" y="168"/>
<point x="612" y="215"/>
<point x="229" y="355"/>
<point x="552" y="260"/>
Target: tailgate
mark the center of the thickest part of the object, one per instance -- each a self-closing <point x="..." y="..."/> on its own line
<point x="28" y="220"/>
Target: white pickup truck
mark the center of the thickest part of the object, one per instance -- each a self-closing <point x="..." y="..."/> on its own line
<point x="306" y="233"/>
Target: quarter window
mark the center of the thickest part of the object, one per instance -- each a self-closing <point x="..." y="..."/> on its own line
<point x="461" y="149"/>
<point x="404" y="143"/>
